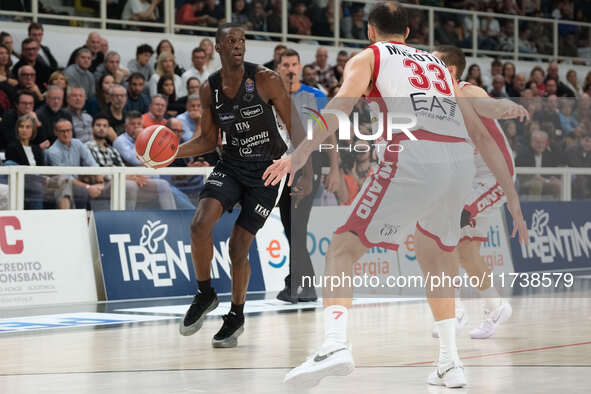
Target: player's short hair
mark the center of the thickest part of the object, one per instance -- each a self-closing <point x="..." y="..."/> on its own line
<point x="389" y="18"/>
<point x="144" y="48"/>
<point x="453" y="56"/>
<point x="223" y="29"/>
<point x="289" y="53"/>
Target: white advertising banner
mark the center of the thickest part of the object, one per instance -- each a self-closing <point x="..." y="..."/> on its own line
<point x="385" y="263"/>
<point x="45" y="258"/>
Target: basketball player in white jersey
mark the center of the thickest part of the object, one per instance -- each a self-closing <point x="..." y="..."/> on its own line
<point x="425" y="184"/>
<point x="486" y="198"/>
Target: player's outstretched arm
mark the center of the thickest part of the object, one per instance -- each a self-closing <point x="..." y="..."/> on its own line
<point x="357" y="82"/>
<point x="495" y="161"/>
<point x="491" y="108"/>
<point x="207" y="141"/>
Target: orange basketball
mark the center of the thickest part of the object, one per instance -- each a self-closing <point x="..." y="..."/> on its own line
<point x="157" y="146"/>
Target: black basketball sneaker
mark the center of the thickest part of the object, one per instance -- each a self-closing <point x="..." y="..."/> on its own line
<point x="232" y="328"/>
<point x="201" y="306"/>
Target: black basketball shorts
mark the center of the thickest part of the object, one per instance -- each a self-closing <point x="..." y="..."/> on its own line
<point x="242" y="182"/>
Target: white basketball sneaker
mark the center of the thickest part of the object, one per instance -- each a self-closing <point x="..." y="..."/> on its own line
<point x="450" y="376"/>
<point x="491" y="322"/>
<point x="332" y="359"/>
<point x="461" y="321"/>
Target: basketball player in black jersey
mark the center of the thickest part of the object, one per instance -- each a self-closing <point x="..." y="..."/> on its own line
<point x="240" y="99"/>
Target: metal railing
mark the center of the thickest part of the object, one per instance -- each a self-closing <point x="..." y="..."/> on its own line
<point x="16" y="178"/>
<point x="168" y="25"/>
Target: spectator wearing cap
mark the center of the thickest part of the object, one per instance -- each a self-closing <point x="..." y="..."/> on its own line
<point x="45" y="55"/>
<point x="141" y="63"/>
<point x="30" y="54"/>
<point x="137" y="99"/>
<point x="79" y="74"/>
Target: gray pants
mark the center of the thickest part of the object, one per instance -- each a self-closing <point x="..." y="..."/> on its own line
<point x="153" y="190"/>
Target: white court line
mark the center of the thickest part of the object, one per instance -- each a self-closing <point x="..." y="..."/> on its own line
<point x="64" y="320"/>
<point x="258" y="306"/>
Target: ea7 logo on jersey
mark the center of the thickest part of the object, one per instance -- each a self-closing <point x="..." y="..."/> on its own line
<point x="242" y="126"/>
<point x="251" y="112"/>
<point x="264" y="212"/>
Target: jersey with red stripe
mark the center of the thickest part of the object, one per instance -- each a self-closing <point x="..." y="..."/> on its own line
<point x="496" y="132"/>
<point x="407" y="80"/>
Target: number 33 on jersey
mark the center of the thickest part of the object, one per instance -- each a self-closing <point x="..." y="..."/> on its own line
<point x="408" y="80"/>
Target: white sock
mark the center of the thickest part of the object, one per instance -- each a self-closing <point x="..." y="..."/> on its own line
<point x="492" y="299"/>
<point x="448" y="352"/>
<point x="458" y="298"/>
<point x="335" y="323"/>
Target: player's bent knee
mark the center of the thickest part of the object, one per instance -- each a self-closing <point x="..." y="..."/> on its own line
<point x="238" y="255"/>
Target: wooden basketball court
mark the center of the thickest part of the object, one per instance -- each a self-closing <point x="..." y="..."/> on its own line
<point x="545" y="347"/>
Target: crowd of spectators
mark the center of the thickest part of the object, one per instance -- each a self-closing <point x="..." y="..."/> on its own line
<point x="90" y="112"/>
<point x="316" y="18"/>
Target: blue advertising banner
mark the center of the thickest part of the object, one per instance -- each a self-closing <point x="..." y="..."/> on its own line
<point x="559" y="236"/>
<point x="147" y="254"/>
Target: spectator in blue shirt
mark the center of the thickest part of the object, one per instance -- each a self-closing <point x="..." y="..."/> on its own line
<point x="71" y="152"/>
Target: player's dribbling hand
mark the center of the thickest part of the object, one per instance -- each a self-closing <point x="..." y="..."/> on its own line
<point x="276" y="171"/>
<point x="519" y="225"/>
